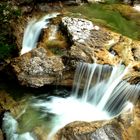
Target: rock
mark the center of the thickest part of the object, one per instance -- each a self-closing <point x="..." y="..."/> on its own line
<point x="88" y="39"/>
<point x="7" y="103"/>
<point x="102" y="130"/>
<point x="1" y="135"/>
<point x="36" y="69"/>
<point x="127" y="49"/>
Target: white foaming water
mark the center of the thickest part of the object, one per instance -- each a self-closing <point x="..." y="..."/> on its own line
<point x="33" y="31"/>
<point x="10" y="126"/>
<point x="99" y="93"/>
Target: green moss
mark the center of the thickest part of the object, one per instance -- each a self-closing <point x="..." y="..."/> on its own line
<point x="55" y="43"/>
<point x="57" y="47"/>
<point x="56" y="51"/>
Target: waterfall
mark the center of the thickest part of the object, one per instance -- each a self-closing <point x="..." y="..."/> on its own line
<point x="32" y="32"/>
<point x="99" y="93"/>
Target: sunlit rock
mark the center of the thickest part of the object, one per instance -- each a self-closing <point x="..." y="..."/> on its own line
<point x="102" y="130"/>
<point x="87" y="39"/>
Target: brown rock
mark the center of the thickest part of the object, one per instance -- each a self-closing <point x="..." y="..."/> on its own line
<point x="102" y="130"/>
<point x="7" y="103"/>
<point x="1" y="135"/>
<point x="35" y="69"/>
<point x="89" y="41"/>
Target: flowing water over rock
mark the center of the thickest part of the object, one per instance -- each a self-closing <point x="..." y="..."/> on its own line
<point x="99" y="93"/>
<point x="32" y="32"/>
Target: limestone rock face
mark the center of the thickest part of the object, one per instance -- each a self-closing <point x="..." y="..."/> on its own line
<point x="36" y="69"/>
<point x="88" y="40"/>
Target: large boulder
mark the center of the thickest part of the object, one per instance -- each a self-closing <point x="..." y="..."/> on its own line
<point x="102" y="130"/>
<point x="89" y="41"/>
<point x="37" y="69"/>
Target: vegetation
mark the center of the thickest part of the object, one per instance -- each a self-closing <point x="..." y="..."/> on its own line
<point x="56" y="47"/>
<point x="8" y="12"/>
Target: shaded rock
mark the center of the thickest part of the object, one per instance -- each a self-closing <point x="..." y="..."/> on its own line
<point x="5" y="99"/>
<point x="7" y="103"/>
<point x="35" y="69"/>
<point x="1" y="135"/>
<point x="136" y="50"/>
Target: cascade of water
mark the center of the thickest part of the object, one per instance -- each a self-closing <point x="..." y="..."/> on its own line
<point x="104" y="96"/>
<point x="99" y="93"/>
<point x="33" y="31"/>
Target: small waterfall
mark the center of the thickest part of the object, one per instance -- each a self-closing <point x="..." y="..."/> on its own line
<point x="33" y="31"/>
<point x="99" y="93"/>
